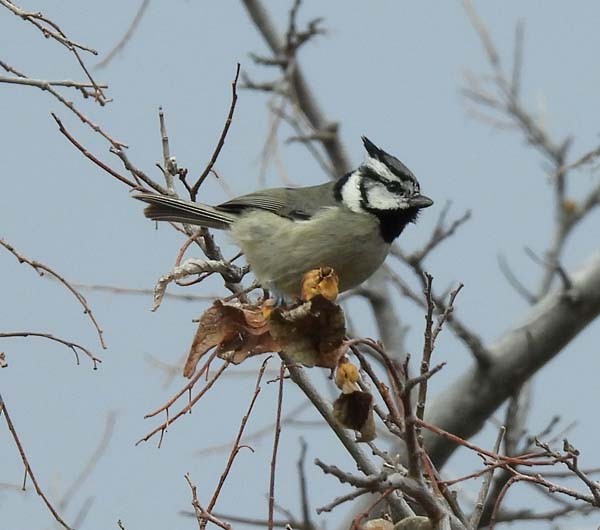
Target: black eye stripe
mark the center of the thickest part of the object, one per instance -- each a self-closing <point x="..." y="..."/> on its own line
<point x="373" y="175"/>
<point x="391" y="185"/>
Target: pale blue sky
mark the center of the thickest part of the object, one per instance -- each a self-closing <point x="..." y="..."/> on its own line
<point x="390" y="70"/>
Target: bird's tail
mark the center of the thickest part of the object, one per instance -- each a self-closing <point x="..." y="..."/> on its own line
<point x="163" y="208"/>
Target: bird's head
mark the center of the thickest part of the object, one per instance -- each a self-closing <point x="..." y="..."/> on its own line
<point x="382" y="184"/>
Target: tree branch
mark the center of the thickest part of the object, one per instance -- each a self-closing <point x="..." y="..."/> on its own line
<point x="545" y="330"/>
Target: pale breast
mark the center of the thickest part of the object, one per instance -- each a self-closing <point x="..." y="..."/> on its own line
<point x="280" y="250"/>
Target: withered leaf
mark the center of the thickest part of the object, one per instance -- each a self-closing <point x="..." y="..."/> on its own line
<point x="311" y="334"/>
<point x="323" y="281"/>
<point x="237" y="331"/>
<point x="346" y="376"/>
<point x="355" y="411"/>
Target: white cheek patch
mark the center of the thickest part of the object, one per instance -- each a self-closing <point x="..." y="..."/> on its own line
<point x="379" y="198"/>
<point x="380" y="168"/>
<point x="351" y="192"/>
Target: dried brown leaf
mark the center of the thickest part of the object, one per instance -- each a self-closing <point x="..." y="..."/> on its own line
<point x="323" y="281"/>
<point x="355" y="411"/>
<point x="346" y="376"/>
<point x="311" y="334"/>
<point x="237" y="331"/>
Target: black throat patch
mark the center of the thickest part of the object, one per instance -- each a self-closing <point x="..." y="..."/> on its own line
<point x="392" y="222"/>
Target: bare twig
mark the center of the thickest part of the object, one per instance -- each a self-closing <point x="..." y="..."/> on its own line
<point x="290" y="418"/>
<point x="92" y="157"/>
<point x="169" y="168"/>
<point x="485" y="488"/>
<point x="137" y="173"/>
<point x="44" y="84"/>
<point x="275" y="447"/>
<point x="514" y="281"/>
<point x="464" y="333"/>
<point x="414" y="448"/>
<point x="165" y="425"/>
<point x="202" y="515"/>
<point x="46" y="87"/>
<point x="51" y="30"/>
<point x="73" y="346"/>
<point x="126" y="37"/>
<point x="28" y="470"/>
<point x="41" y="269"/>
<point x="252" y="521"/>
<point x="114" y="289"/>
<point x="101" y="448"/>
<point x="46" y="26"/>
<point x="303" y="95"/>
<point x="235" y="449"/>
<point x="342" y="499"/>
<point x="305" y="501"/>
<point x="428" y="345"/>
<point x="440" y="233"/>
<point x="381" y="481"/>
<point x="221" y="142"/>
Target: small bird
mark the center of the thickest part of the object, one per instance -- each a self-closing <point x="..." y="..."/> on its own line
<point x="348" y="224"/>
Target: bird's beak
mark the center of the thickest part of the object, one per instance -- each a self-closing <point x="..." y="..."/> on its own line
<point x="420" y="201"/>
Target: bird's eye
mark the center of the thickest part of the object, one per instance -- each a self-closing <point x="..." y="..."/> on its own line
<point x="394" y="187"/>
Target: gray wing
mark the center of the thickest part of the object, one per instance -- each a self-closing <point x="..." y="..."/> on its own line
<point x="293" y="203"/>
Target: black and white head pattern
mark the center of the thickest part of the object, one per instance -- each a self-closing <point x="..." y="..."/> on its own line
<point x="384" y="187"/>
<point x="381" y="184"/>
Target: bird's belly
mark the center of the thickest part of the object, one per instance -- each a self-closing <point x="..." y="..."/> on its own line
<point x="280" y="250"/>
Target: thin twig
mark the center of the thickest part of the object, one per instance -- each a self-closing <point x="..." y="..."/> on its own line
<point x="202" y="515"/>
<point x="101" y="448"/>
<point x="428" y="345"/>
<point x="51" y="30"/>
<point x="235" y="449"/>
<point x="164" y="426"/>
<point x="485" y="487"/>
<point x="187" y="388"/>
<point x="514" y="281"/>
<point x="28" y="470"/>
<point x="275" y="447"/>
<point x="92" y="157"/>
<point x="304" y="499"/>
<point x="290" y="418"/>
<point x="73" y="346"/>
<point x="114" y="289"/>
<point x="41" y="268"/>
<point x="221" y="142"/>
<point x="44" y="84"/>
<point x="126" y="37"/>
<point x="342" y="499"/>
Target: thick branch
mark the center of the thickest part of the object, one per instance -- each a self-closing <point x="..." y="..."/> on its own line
<point x="546" y="329"/>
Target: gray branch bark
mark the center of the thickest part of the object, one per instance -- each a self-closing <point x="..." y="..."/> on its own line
<point x="548" y="327"/>
<point x="552" y="323"/>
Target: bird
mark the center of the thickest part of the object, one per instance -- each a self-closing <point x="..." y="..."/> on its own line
<point x="348" y="224"/>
